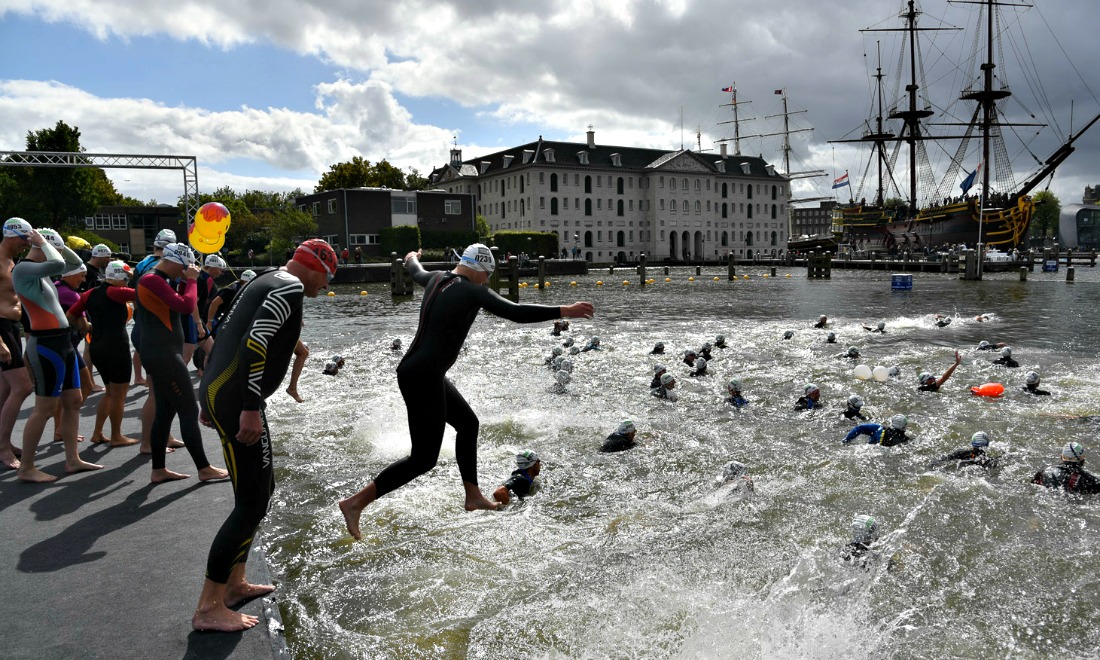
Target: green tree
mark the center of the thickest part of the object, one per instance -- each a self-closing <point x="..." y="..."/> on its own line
<point x="482" y="226"/>
<point x="353" y="174"/>
<point x="289" y="226"/>
<point x="1047" y="209"/>
<point x="413" y="180"/>
<point x="52" y="196"/>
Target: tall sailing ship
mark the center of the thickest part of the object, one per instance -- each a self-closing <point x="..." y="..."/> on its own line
<point x="936" y="214"/>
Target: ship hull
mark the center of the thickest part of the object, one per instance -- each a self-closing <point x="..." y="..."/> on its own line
<point x="935" y="227"/>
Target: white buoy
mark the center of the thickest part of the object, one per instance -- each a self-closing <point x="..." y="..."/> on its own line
<point x="880" y="373"/>
<point x="862" y="372"/>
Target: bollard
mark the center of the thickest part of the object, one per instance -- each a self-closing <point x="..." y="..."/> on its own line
<point x="610" y="270"/>
<point x="542" y="273"/>
<point x="400" y="283"/>
<point x="494" y="278"/>
<point x="513" y="279"/>
<point x="731" y="271"/>
<point x="698" y="270"/>
<point x="1069" y="274"/>
<point x="1092" y="258"/>
<point x="773" y="271"/>
<point x="666" y="270"/>
<point x="641" y="270"/>
<point x="1023" y="273"/>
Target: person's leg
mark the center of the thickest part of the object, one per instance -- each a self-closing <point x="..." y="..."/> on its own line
<point x="9" y="453"/>
<point x="138" y="378"/>
<point x="71" y="400"/>
<point x="426" y="404"/>
<point x="301" y="352"/>
<point x="44" y="407"/>
<point x="186" y="408"/>
<point x="462" y="418"/>
<point x="253" y="478"/>
<point x="116" y="411"/>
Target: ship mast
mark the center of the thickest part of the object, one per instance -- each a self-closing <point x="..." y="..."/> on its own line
<point x="736" y="120"/>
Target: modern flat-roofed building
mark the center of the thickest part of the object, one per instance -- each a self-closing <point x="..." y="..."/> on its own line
<point x="1079" y="227"/>
<point x="812" y="220"/>
<point x="134" y="227"/>
<point x="614" y="203"/>
<point x="354" y="217"/>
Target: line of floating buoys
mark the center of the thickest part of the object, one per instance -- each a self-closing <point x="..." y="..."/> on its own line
<point x="988" y="389"/>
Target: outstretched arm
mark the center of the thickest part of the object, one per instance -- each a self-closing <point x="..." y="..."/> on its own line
<point x="951" y="370"/>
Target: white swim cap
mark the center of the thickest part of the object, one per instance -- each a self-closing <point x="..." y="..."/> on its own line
<point x="626" y="426"/>
<point x="810" y="388"/>
<point x="214" y="261"/>
<point x="734" y="384"/>
<point x="853" y="351"/>
<point x="667" y="378"/>
<point x="659" y="368"/>
<point x="733" y="470"/>
<point x="1032" y="378"/>
<point x="983" y="344"/>
<point x="822" y="318"/>
<point x="881" y="325"/>
<point x="979" y="439"/>
<point x="479" y="257"/>
<point x="864" y="529"/>
<point x="1006" y="351"/>
<point x="855" y="401"/>
<point x="925" y="378"/>
<point x="330" y="367"/>
<point x="567" y="365"/>
<point x="894" y="371"/>
<point x="75" y="270"/>
<point x="117" y="270"/>
<point x="899" y="421"/>
<point x="178" y="253"/>
<point x="526" y="459"/>
<point x="700" y="364"/>
<point x="1073" y="452"/>
<point x="164" y="238"/>
<point x="101" y="250"/>
<point x="52" y="237"/>
<point x="17" y="228"/>
<point x="248" y="276"/>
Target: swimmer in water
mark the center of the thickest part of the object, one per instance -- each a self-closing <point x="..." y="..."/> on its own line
<point x="395" y="345"/>
<point x="667" y="388"/>
<point x="735" y="398"/>
<point x="893" y="372"/>
<point x="720" y="341"/>
<point x="830" y="338"/>
<point x="562" y="378"/>
<point x="522" y="481"/>
<point x="852" y="353"/>
<point x="986" y="346"/>
<point x="975" y="454"/>
<point x="929" y="383"/>
<point x="881" y="435"/>
<point x="700" y="368"/>
<point x="658" y="371"/>
<point x="1006" y="358"/>
<point x="556" y="332"/>
<point x="658" y="348"/>
<point x="593" y="345"/>
<point x="556" y="352"/>
<point x="881" y="327"/>
<point x="568" y="343"/>
<point x="1032" y="386"/>
<point x="1070" y="475"/>
<point x="689" y="358"/>
<point x="811" y="394"/>
<point x="704" y="352"/>
<point x="788" y="335"/>
<point x="942" y="321"/>
<point x="864" y="530"/>
<point x="855" y="406"/>
<point x="736" y="479"/>
<point x="331" y="368"/>
<point x="822" y="321"/>
<point x="622" y="439"/>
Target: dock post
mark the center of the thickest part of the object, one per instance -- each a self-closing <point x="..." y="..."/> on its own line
<point x="1092" y="258"/>
<point x="971" y="268"/>
<point x="400" y="283"/>
<point x="731" y="271"/>
<point x="513" y="279"/>
<point x="494" y="279"/>
<point x="542" y="272"/>
<point x="1023" y="273"/>
<point x="773" y="271"/>
<point x="666" y="270"/>
<point x="1069" y="274"/>
<point x="1069" y="257"/>
<point x="641" y="270"/>
<point x="698" y="270"/>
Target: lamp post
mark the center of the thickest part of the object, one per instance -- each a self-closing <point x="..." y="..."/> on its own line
<point x="576" y="245"/>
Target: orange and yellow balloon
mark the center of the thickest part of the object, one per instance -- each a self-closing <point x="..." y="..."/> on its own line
<point x="206" y="232"/>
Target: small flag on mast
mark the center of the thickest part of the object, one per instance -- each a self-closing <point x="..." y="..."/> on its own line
<point x="969" y="180"/>
<point x="778" y="91"/>
<point x="840" y="182"/>
<point x="728" y="89"/>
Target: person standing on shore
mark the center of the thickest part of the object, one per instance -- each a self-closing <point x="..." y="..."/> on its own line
<point x="451" y="302"/>
<point x="15" y="382"/>
<point x="255" y="344"/>
<point x="50" y="353"/>
<point x="158" y="310"/>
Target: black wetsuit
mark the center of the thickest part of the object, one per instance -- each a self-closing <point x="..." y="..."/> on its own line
<point x="618" y="442"/>
<point x="1007" y="362"/>
<point x="657" y="351"/>
<point x="520" y="483"/>
<point x="852" y="413"/>
<point x="208" y="290"/>
<point x="737" y="401"/>
<point x="699" y="372"/>
<point x="805" y="403"/>
<point x="969" y="456"/>
<point x="1035" y="390"/>
<point x="110" y="347"/>
<point x="227" y="294"/>
<point x="656" y="382"/>
<point x="933" y="387"/>
<point x="157" y="312"/>
<point x="705" y="354"/>
<point x="1067" y="476"/>
<point x="451" y="303"/>
<point x="250" y="358"/>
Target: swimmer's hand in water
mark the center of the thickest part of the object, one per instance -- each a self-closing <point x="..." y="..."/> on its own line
<point x="578" y="310"/>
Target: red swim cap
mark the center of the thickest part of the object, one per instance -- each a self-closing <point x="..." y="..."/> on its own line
<point x="318" y="255"/>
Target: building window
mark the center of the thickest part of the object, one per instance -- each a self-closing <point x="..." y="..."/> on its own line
<point x="748" y="239"/>
<point x="405" y="205"/>
<point x="553" y="206"/>
<point x="565" y="202"/>
<point x="698" y="185"/>
<point x="588" y="184"/>
<point x="724" y="213"/>
<point x="332" y="206"/>
<point x="750" y="210"/>
<point x="774" y="208"/>
<point x="774" y="190"/>
<point x="750" y="191"/>
<point x="102" y="221"/>
<point x="452" y="206"/>
<point x="620" y="186"/>
<point x="685" y="181"/>
<point x="621" y="205"/>
<point x="724" y="190"/>
<point x="316" y="209"/>
<point x="672" y="183"/>
<point x="662" y="204"/>
<point x="554" y="182"/>
<point x="118" y="221"/>
<point x="687" y="206"/>
<point x="698" y="207"/>
<point x="588" y="209"/>
<point x="599" y="203"/>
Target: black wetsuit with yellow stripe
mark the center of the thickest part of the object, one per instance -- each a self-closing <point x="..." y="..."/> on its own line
<point x="451" y="303"/>
<point x="255" y="344"/>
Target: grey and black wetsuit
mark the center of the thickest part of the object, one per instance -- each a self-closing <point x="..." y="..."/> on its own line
<point x="1070" y="477"/>
<point x="451" y="303"/>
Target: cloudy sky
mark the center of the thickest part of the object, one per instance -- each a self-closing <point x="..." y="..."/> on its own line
<point x="267" y="94"/>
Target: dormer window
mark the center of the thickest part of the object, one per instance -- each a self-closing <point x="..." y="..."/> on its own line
<point x="528" y="154"/>
<point x="508" y="160"/>
<point x="549" y="155"/>
<point x="720" y="165"/>
<point x="746" y="168"/>
<point x="617" y="160"/>
<point x="484" y="166"/>
<point x="770" y="169"/>
<point x="582" y="157"/>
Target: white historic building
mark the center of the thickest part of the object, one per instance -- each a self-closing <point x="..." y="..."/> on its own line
<point x="615" y="203"/>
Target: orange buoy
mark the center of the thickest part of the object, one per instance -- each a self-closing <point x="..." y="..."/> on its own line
<point x="988" y="389"/>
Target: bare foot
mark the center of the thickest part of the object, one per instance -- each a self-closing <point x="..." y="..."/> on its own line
<point x="81" y="466"/>
<point x="98" y="388"/>
<point x="98" y="438"/>
<point x="140" y="382"/>
<point x="34" y="476"/>
<point x="8" y="459"/>
<point x="164" y="474"/>
<point x="293" y="392"/>
<point x="57" y="438"/>
<point x="480" y="502"/>
<point x="123" y="441"/>
<point x="174" y="443"/>
<point x="149" y="450"/>
<point x="351" y="518"/>
<point x="211" y="473"/>
<point x="239" y="593"/>
<point x="222" y="619"/>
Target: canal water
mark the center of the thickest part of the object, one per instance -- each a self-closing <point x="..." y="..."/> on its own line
<point x="640" y="554"/>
